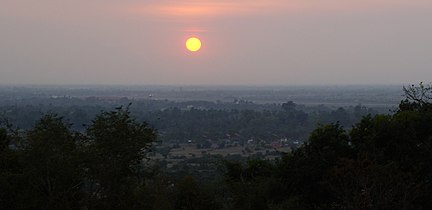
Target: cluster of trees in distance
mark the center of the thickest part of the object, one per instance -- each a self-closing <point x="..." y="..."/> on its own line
<point x="197" y="120"/>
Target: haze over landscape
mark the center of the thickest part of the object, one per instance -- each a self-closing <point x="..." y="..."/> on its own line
<point x="245" y="42"/>
<point x="216" y="104"/>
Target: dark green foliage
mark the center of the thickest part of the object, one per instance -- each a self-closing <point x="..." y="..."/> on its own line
<point x="364" y="184"/>
<point x="43" y="172"/>
<point x="52" y="167"/>
<point x="383" y="162"/>
<point x="51" y="162"/>
<point x="116" y="150"/>
<point x="302" y="173"/>
<point x="250" y="184"/>
<point x="4" y="143"/>
<point x="190" y="195"/>
<point x="9" y="172"/>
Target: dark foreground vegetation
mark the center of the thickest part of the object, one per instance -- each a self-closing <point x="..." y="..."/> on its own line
<point x="382" y="162"/>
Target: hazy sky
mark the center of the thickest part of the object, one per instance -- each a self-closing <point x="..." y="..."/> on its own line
<point x="245" y="42"/>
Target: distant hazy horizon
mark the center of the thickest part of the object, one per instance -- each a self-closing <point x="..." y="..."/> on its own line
<point x="245" y="43"/>
<point x="208" y="86"/>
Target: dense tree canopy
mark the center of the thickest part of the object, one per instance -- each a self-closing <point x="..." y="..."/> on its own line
<point x="52" y="167"/>
<point x="383" y="162"/>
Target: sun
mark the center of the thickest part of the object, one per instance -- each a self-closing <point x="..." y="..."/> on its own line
<point x="193" y="44"/>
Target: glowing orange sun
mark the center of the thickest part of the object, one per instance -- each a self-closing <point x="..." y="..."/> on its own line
<point x="193" y="44"/>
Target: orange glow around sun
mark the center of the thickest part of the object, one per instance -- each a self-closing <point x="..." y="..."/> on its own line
<point x="193" y="44"/>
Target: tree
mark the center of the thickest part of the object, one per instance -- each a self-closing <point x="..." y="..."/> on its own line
<point x="10" y="168"/>
<point x="303" y="172"/>
<point x="418" y="94"/>
<point x="417" y="97"/>
<point x="363" y="183"/>
<point x="190" y="195"/>
<point x="117" y="146"/>
<point x="4" y="143"/>
<point x="289" y="106"/>
<point x="250" y="185"/>
<point x="397" y="150"/>
<point x="50" y="165"/>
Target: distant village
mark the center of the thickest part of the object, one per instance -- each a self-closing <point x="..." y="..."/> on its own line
<point x="174" y="155"/>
